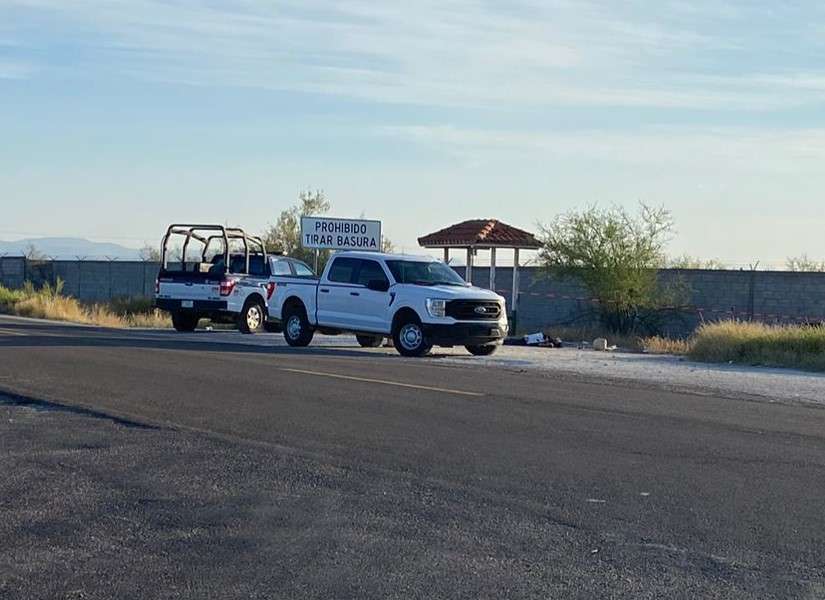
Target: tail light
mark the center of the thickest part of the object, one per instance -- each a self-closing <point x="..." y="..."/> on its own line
<point x="270" y="289"/>
<point x="157" y="286"/>
<point x="227" y="285"/>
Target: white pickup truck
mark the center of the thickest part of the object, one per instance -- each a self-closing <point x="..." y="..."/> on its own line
<point x="418" y="301"/>
<point x="214" y="272"/>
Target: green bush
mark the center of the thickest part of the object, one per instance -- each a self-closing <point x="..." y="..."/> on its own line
<point x="8" y="298"/>
<point x="616" y="255"/>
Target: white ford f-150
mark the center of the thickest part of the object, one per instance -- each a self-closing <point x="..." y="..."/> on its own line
<point x="418" y="301"/>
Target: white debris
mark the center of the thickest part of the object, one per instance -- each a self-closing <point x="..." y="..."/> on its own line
<point x="600" y="344"/>
<point x="534" y="339"/>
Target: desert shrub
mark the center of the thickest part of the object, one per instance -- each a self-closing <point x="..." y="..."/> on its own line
<point x="797" y="346"/>
<point x="616" y="255"/>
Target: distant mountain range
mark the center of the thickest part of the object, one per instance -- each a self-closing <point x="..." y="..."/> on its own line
<point x="70" y="248"/>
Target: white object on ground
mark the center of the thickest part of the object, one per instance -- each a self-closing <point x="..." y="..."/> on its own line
<point x="534" y="338"/>
<point x="600" y="344"/>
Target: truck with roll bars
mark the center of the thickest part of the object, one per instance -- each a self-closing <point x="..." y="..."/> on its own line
<point x="214" y="272"/>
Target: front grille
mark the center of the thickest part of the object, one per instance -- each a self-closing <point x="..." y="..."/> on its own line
<point x="465" y="310"/>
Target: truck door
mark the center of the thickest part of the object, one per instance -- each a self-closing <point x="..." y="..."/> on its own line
<point x="334" y="293"/>
<point x="369" y="306"/>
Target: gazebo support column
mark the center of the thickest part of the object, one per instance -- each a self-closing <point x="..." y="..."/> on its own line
<point x="514" y="297"/>
<point x="492" y="269"/>
<point x="468" y="276"/>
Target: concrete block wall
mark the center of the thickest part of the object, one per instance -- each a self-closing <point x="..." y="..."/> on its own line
<point x="543" y="299"/>
<point x="90" y="281"/>
<point x="98" y="281"/>
<point x="709" y="295"/>
<point x="12" y="271"/>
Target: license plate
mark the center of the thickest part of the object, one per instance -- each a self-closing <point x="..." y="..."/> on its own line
<point x="186" y="304"/>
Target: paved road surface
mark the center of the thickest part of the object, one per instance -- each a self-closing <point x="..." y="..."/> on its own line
<point x="153" y="467"/>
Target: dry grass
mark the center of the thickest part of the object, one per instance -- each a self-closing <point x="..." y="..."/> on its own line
<point x="49" y="302"/>
<point x="796" y="346"/>
<point x="663" y="345"/>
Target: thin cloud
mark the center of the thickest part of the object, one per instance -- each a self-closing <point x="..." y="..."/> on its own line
<point x="15" y="70"/>
<point x="734" y="149"/>
<point x="447" y="54"/>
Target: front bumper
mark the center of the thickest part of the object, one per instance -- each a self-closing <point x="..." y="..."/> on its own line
<point x="465" y="334"/>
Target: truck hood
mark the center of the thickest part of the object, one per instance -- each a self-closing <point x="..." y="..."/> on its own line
<point x="452" y="292"/>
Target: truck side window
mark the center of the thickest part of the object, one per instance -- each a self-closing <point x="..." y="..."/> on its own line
<point x="370" y="271"/>
<point x="301" y="270"/>
<point x="280" y="267"/>
<point x="342" y="270"/>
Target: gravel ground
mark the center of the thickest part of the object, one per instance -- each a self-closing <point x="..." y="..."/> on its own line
<point x="94" y="509"/>
<point x="672" y="372"/>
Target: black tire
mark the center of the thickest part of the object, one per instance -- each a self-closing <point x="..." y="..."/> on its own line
<point x="297" y="330"/>
<point x="185" y="322"/>
<point x="252" y="317"/>
<point x="409" y="338"/>
<point x="485" y="350"/>
<point x="370" y="341"/>
<point x="273" y="327"/>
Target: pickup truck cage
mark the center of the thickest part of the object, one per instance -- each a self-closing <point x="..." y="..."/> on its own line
<point x="201" y="234"/>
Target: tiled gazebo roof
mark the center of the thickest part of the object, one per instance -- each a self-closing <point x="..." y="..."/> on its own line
<point x="482" y="233"/>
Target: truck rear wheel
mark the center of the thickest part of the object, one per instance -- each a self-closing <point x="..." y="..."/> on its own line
<point x="252" y="317"/>
<point x="297" y="330"/>
<point x="185" y="322"/>
<point x="409" y="338"/>
<point x="484" y="350"/>
<point x="370" y="341"/>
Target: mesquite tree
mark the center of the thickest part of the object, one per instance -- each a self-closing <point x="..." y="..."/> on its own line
<point x="615" y="254"/>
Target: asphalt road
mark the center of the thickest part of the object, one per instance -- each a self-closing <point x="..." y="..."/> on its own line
<point x="139" y="465"/>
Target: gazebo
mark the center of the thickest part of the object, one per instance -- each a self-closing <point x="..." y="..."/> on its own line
<point x="484" y="234"/>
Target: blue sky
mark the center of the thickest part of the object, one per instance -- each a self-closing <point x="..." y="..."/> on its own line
<point x="118" y="117"/>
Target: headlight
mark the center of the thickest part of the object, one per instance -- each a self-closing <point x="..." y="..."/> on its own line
<point x="437" y="307"/>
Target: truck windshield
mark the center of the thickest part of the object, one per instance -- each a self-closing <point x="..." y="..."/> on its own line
<point x="423" y="273"/>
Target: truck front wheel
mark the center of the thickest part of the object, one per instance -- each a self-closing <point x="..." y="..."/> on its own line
<point x="185" y="322"/>
<point x="297" y="330"/>
<point x="410" y="340"/>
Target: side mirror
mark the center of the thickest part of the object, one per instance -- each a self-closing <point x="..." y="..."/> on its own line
<point x="378" y="285"/>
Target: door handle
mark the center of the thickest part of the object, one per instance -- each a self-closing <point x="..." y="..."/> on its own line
<point x="354" y="294"/>
<point x="324" y="291"/>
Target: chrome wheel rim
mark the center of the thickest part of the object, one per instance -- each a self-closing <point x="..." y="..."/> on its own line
<point x="293" y="327"/>
<point x="253" y="317"/>
<point x="410" y="336"/>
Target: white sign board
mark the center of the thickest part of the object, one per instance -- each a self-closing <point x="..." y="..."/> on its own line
<point x="340" y="234"/>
